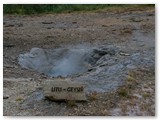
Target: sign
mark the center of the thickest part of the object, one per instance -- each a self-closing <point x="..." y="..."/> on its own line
<point x="64" y="90"/>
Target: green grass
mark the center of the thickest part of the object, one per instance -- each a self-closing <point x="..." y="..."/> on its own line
<point x="56" y="8"/>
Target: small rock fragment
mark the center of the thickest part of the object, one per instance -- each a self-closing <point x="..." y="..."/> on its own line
<point x="5" y="96"/>
<point x="124" y="54"/>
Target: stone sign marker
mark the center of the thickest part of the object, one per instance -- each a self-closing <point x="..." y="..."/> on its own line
<point x="64" y="90"/>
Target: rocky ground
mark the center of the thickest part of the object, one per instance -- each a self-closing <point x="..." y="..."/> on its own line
<point x="122" y="83"/>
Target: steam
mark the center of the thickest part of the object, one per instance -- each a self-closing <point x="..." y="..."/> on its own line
<point x="71" y="63"/>
<point x="54" y="63"/>
<point x="63" y="61"/>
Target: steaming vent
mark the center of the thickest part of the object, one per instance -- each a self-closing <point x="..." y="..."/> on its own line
<point x="62" y="61"/>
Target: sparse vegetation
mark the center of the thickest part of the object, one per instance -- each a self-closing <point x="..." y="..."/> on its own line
<point x="93" y="96"/>
<point x="61" y="8"/>
<point x="130" y="99"/>
<point x="137" y="95"/>
<point x="71" y="103"/>
<point x="124" y="92"/>
<point x="19" y="99"/>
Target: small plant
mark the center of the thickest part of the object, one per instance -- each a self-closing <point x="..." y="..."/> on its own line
<point x="124" y="92"/>
<point x="71" y="103"/>
<point x="19" y="99"/>
<point x="146" y="95"/>
<point x="93" y="96"/>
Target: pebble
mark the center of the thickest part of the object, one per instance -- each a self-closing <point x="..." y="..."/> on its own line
<point x="124" y="54"/>
<point x="5" y="96"/>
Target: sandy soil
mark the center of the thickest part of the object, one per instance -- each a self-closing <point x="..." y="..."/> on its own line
<point x="133" y="30"/>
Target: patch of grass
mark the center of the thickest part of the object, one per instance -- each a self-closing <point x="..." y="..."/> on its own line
<point x="129" y="85"/>
<point x="124" y="92"/>
<point x="93" y="96"/>
<point x="19" y="99"/>
<point x="131" y="82"/>
<point x="60" y="8"/>
<point x="135" y="82"/>
<point x="146" y="95"/>
<point x="71" y="103"/>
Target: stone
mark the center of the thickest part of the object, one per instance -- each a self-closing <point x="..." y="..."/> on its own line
<point x="5" y="96"/>
<point x="124" y="54"/>
<point x="64" y="90"/>
<point x="47" y="22"/>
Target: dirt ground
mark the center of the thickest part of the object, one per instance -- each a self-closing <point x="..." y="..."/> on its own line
<point x="133" y="30"/>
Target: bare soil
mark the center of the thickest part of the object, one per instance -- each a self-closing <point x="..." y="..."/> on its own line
<point x="132" y="31"/>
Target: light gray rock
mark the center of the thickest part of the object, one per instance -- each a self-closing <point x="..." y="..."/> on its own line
<point x="5" y="96"/>
<point x="64" y="90"/>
